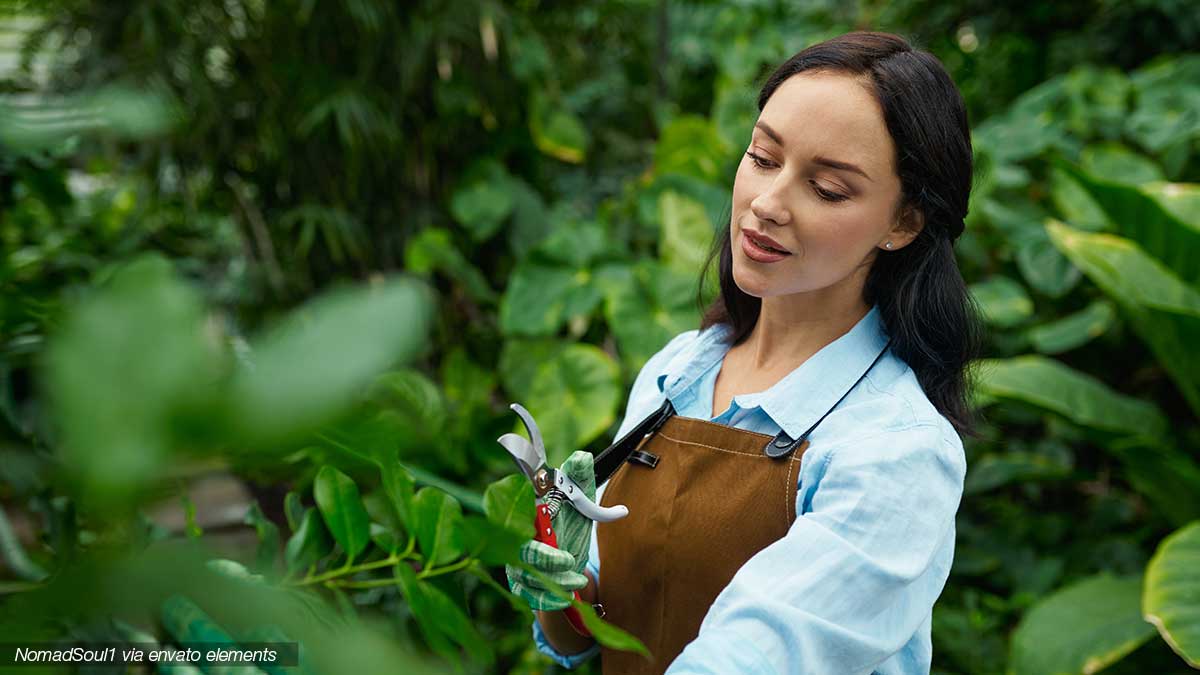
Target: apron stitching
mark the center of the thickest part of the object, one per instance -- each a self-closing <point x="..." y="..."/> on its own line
<point x="732" y="452"/>
<point x="724" y="426"/>
<point x="787" y="492"/>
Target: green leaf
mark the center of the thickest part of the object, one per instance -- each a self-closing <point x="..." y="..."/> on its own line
<point x="1042" y="265"/>
<point x="1073" y="330"/>
<point x="1077" y="396"/>
<point x="534" y="301"/>
<point x="343" y="339"/>
<point x="1075" y="204"/>
<point x="1169" y="478"/>
<point x="686" y="232"/>
<point x="1081" y="629"/>
<point x="467" y="498"/>
<point x="441" y="619"/>
<point x="341" y="505"/>
<point x="1168" y="103"/>
<point x="1118" y="164"/>
<point x="308" y="544"/>
<point x="432" y="249"/>
<point x="293" y="509"/>
<point x="1163" y="219"/>
<point x="1003" y="301"/>
<point x="608" y="634"/>
<point x="647" y="305"/>
<point x="483" y="200"/>
<point x="510" y="503"/>
<point x="130" y="375"/>
<point x="556" y="131"/>
<point x="268" y="538"/>
<point x="1162" y="310"/>
<point x="690" y="145"/>
<point x="490" y="543"/>
<point x="605" y="633"/>
<point x="398" y="485"/>
<point x="384" y="538"/>
<point x="995" y="470"/>
<point x="415" y="403"/>
<point x="438" y="526"/>
<point x="573" y="394"/>
<point x="1171" y="597"/>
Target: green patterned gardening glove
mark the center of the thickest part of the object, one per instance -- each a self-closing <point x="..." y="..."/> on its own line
<point x="563" y="565"/>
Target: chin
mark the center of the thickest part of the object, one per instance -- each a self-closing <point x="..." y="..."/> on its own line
<point x="751" y="284"/>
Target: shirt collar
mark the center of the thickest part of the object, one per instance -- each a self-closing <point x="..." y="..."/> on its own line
<point x="802" y="396"/>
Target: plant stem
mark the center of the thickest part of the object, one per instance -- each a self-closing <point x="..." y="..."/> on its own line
<point x="354" y="569"/>
<point x="433" y="572"/>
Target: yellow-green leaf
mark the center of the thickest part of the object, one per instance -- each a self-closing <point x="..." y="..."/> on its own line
<point x="1171" y="597"/>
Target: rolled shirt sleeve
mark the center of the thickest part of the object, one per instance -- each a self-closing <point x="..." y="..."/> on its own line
<point x="859" y="570"/>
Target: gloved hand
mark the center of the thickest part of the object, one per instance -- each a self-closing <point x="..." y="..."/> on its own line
<point x="565" y="564"/>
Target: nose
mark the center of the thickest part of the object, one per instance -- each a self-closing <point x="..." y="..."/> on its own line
<point x="769" y="206"/>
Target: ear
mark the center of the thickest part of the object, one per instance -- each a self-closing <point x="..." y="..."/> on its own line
<point x="907" y="227"/>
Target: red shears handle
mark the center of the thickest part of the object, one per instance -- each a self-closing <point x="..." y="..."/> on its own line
<point x="545" y="534"/>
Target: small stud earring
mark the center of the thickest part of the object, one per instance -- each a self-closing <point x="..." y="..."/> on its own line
<point x="888" y="245"/>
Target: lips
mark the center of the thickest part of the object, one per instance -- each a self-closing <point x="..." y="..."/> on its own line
<point x="765" y="241"/>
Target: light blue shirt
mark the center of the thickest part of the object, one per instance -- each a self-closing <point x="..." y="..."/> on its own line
<point x="850" y="588"/>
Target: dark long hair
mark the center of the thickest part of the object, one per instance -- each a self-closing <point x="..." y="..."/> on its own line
<point x="922" y="298"/>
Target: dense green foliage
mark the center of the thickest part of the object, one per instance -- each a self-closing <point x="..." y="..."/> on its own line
<point x="321" y="246"/>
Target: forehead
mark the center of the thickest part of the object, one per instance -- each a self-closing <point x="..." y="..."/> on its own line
<point x="830" y="114"/>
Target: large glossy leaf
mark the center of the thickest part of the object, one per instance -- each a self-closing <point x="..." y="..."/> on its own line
<point x="438" y="525"/>
<point x="1159" y="218"/>
<point x="686" y="232"/>
<point x="1162" y="309"/>
<point x="343" y="339"/>
<point x="1073" y="330"/>
<point x="540" y="298"/>
<point x="1171" y="597"/>
<point x="572" y="390"/>
<point x="1003" y="301"/>
<point x="646" y="305"/>
<point x="1081" y="398"/>
<point x="1081" y="629"/>
<point x="509" y="503"/>
<point x="342" y="508"/>
<point x="1116" y="163"/>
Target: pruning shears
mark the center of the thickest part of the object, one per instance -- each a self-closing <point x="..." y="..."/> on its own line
<point x="551" y="486"/>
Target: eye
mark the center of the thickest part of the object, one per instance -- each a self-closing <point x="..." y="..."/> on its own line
<point x="758" y="161"/>
<point x="827" y="195"/>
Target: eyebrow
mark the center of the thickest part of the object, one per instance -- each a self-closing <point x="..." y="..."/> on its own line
<point x="824" y="161"/>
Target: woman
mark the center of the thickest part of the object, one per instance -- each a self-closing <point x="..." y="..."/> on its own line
<point x="794" y="465"/>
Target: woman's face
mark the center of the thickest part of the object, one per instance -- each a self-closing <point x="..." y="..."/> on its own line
<point x="818" y="179"/>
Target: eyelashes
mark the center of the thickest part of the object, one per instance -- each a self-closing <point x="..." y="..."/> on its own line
<point x="824" y="194"/>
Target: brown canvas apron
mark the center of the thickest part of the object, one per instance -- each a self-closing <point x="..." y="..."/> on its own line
<point x="703" y="498"/>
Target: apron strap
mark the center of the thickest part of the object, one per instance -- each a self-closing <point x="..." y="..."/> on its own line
<point x="608" y="461"/>
<point x="611" y="459"/>
<point x="783" y="445"/>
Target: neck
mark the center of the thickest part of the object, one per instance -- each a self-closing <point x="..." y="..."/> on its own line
<point x="792" y="328"/>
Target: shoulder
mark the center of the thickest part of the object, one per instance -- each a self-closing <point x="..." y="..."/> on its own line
<point x="889" y="417"/>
